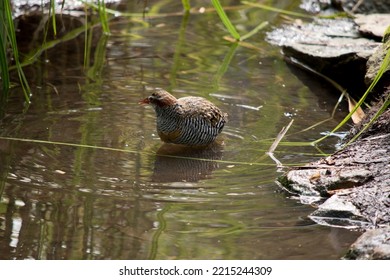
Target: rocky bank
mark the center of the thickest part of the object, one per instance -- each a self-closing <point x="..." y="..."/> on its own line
<point x="352" y="186"/>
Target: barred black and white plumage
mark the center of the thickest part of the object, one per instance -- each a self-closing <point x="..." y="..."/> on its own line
<point x="191" y="121"/>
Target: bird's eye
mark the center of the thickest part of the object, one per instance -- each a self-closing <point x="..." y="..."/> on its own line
<point x="156" y="96"/>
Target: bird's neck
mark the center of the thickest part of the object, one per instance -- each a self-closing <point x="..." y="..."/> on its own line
<point x="167" y="119"/>
<point x="166" y="111"/>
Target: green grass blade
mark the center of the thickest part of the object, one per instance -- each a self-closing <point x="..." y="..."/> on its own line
<point x="254" y="30"/>
<point x="103" y="16"/>
<point x="186" y="5"/>
<point x="273" y="9"/>
<point x="4" y="65"/>
<point x="53" y="16"/>
<point x="4" y="71"/>
<point x="384" y="66"/>
<point x="225" y="20"/>
<point x="86" y="48"/>
<point x="67" y="144"/>
<point x="12" y="39"/>
<point x="386" y="35"/>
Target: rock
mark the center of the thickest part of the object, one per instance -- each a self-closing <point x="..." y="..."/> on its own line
<point x="339" y="211"/>
<point x="70" y="7"/>
<point x="358" y="177"/>
<point x="319" y="179"/>
<point x="350" y="6"/>
<point x="323" y="37"/>
<point x="315" y="6"/>
<point x="366" y="6"/>
<point x="375" y="62"/>
<point x="372" y="245"/>
<point x="373" y="25"/>
<point x="354" y="182"/>
<point x="332" y="47"/>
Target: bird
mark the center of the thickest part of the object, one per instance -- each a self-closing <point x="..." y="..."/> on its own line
<point x="189" y="121"/>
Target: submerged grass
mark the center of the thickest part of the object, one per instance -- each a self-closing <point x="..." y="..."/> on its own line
<point x="75" y="145"/>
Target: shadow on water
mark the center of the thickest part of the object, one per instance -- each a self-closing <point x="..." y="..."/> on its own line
<point x="102" y="186"/>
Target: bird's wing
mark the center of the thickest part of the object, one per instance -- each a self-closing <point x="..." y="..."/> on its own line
<point x="198" y="107"/>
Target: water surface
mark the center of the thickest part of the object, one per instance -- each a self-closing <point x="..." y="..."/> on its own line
<point x="83" y="174"/>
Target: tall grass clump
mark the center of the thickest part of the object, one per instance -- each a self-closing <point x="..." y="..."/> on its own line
<point x="5" y="81"/>
<point x="8" y="44"/>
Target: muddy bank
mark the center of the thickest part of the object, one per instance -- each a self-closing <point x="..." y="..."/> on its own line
<point x="350" y="188"/>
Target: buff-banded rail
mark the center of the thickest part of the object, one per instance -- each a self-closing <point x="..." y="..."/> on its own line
<point x="190" y="121"/>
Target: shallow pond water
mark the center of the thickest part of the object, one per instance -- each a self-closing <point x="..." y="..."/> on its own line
<point x="83" y="174"/>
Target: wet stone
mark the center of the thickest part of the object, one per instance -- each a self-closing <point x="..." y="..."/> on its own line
<point x="350" y="6"/>
<point x="356" y="180"/>
<point x="373" y="25"/>
<point x="353" y="183"/>
<point x="374" y="63"/>
<point x="333" y="47"/>
<point x="366" y="6"/>
<point x="340" y="211"/>
<point x="372" y="245"/>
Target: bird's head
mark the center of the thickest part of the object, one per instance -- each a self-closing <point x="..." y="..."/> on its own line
<point x="159" y="98"/>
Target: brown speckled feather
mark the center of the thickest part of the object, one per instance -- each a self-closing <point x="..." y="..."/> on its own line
<point x="198" y="106"/>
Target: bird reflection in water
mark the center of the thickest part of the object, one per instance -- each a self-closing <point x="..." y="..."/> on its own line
<point x="177" y="163"/>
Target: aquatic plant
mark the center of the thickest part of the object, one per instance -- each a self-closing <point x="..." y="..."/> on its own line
<point x="8" y="41"/>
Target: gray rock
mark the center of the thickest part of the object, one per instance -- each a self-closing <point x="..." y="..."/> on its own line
<point x="358" y="178"/>
<point x="354" y="182"/>
<point x="372" y="245"/>
<point x="337" y="211"/>
<point x="375" y="62"/>
<point x="333" y="47"/>
<point x="373" y="25"/>
<point x="366" y="6"/>
<point x="320" y="180"/>
<point x="350" y="6"/>
<point x="335" y="37"/>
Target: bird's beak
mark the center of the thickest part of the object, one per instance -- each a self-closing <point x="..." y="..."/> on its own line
<point x="144" y="101"/>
